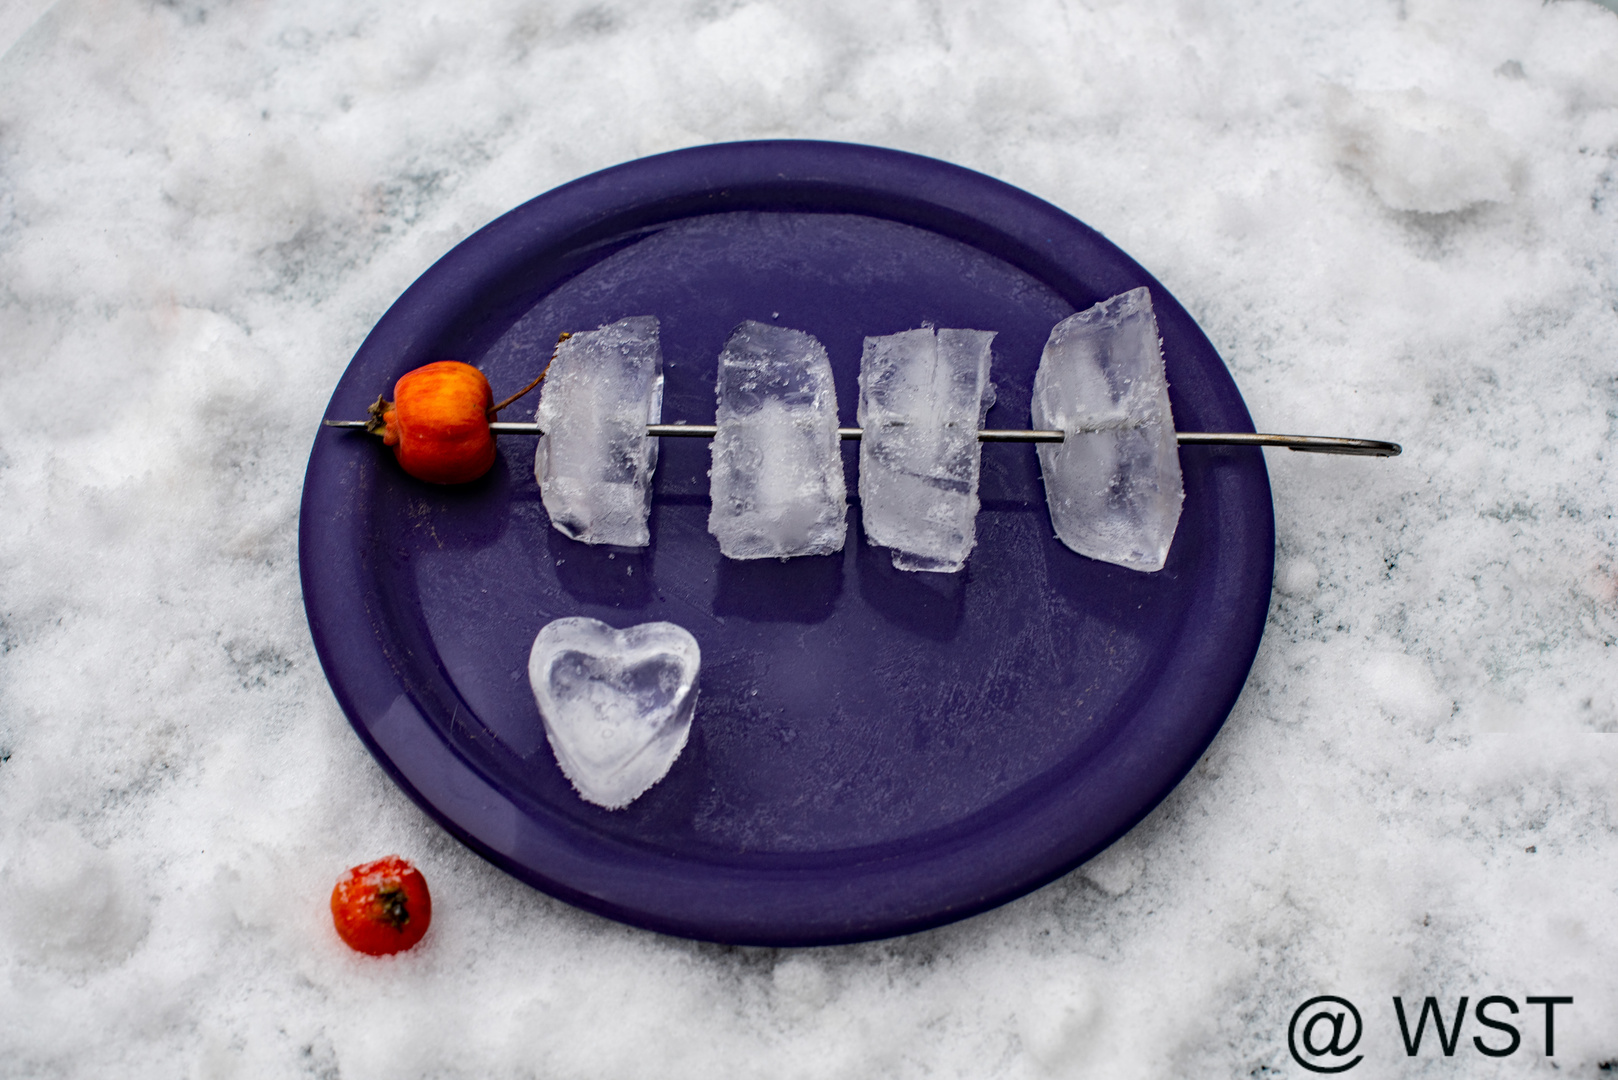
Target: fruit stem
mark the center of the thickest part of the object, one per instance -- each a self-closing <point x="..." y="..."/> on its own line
<point x="496" y="408"/>
<point x="376" y="425"/>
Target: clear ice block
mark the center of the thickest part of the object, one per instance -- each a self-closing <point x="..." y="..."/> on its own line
<point x="617" y="704"/>
<point x="923" y="395"/>
<point x="1113" y="486"/>
<point x="777" y="476"/>
<point x="594" y="463"/>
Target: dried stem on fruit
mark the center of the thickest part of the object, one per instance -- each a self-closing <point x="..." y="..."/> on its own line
<point x="376" y="425"/>
<point x="564" y="336"/>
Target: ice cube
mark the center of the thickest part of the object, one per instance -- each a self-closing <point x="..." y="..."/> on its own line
<point x="594" y="463"/>
<point x="923" y="395"/>
<point x="617" y="704"/>
<point x="777" y="476"/>
<point x="1113" y="486"/>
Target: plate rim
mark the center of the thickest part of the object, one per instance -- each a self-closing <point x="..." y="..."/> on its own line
<point x="756" y="906"/>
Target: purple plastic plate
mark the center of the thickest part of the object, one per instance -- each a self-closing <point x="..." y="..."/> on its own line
<point x="874" y="752"/>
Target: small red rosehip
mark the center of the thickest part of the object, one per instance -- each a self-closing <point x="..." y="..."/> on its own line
<point x="438" y="422"/>
<point x="382" y="907"/>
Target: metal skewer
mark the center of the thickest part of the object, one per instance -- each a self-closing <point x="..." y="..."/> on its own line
<point x="1314" y="444"/>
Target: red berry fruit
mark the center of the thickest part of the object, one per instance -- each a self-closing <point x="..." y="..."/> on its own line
<point x="382" y="907"/>
<point x="438" y="422"/>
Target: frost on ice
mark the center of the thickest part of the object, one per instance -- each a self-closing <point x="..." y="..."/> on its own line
<point x="617" y="704"/>
<point x="777" y="476"/>
<point x="594" y="463"/>
<point x="1114" y="485"/>
<point x="922" y="397"/>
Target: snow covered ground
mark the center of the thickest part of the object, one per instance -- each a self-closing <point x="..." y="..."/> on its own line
<point x="1394" y="218"/>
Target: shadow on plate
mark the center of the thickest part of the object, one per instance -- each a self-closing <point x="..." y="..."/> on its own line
<point x="596" y="574"/>
<point x="931" y="605"/>
<point x="802" y="590"/>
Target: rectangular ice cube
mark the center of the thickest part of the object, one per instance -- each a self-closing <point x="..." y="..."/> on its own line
<point x="594" y="463"/>
<point x="923" y="395"/>
<point x="777" y="476"/>
<point x="1113" y="486"/>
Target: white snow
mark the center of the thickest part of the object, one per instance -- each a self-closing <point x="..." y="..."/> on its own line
<point x="1395" y="220"/>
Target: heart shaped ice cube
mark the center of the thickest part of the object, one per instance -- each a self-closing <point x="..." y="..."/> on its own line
<point x="617" y="704"/>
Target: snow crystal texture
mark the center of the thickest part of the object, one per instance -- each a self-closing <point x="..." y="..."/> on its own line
<point x="1396" y="220"/>
<point x="594" y="463"/>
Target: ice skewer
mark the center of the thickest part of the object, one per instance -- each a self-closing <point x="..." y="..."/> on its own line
<point x="1314" y="444"/>
<point x="923" y="396"/>
<point x="594" y="463"/>
<point x="1106" y="441"/>
<point x="777" y="479"/>
<point x="1113" y="485"/>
